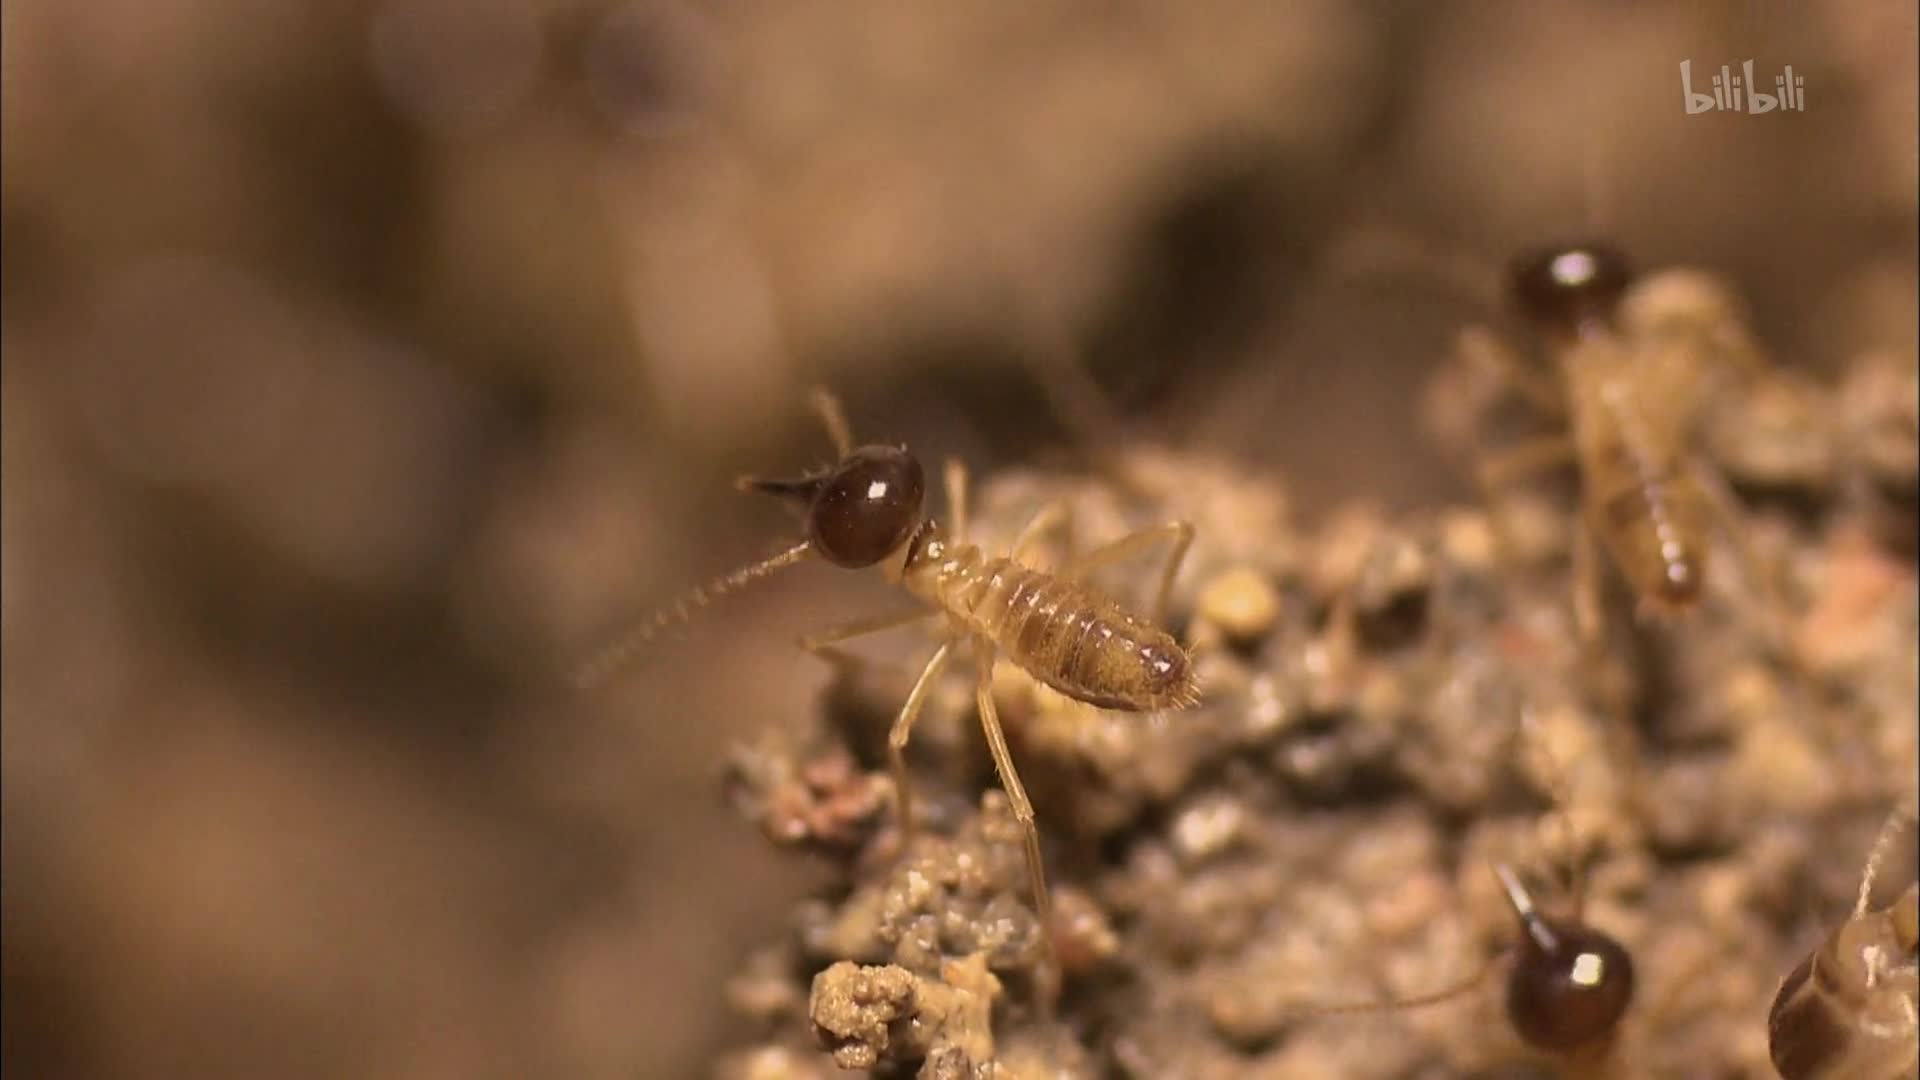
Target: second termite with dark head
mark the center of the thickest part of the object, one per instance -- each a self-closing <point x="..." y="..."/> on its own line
<point x="865" y="511"/>
<point x="1568" y="984"/>
<point x="1630" y="362"/>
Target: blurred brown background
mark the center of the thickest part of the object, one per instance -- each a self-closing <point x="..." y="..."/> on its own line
<point x="365" y="362"/>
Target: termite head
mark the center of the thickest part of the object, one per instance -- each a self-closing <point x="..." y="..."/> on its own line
<point x="859" y="512"/>
<point x="1570" y="290"/>
<point x="862" y="509"/>
<point x="1567" y="988"/>
<point x="1570" y="983"/>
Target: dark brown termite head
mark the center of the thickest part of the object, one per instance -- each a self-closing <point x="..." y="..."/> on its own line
<point x="1570" y="290"/>
<point x="1570" y="984"/>
<point x="1572" y="992"/>
<point x="863" y="508"/>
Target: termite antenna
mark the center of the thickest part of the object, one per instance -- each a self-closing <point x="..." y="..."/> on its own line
<point x="1536" y="928"/>
<point x="858" y="511"/>
<point x="826" y="405"/>
<point x="1523" y="906"/>
<point x="1373" y="250"/>
<point x="617" y="653"/>
<point x="1416" y="1001"/>
<point x="1053" y="360"/>
<point x="1897" y="822"/>
<point x="1595" y="192"/>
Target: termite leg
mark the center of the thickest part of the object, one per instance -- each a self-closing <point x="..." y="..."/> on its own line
<point x="903" y="730"/>
<point x="1388" y="1003"/>
<point x="1056" y="515"/>
<point x="827" y="407"/>
<point x="1482" y="349"/>
<point x="1373" y="249"/>
<point x="822" y="644"/>
<point x="1564" y="850"/>
<point x="1509" y="464"/>
<point x="983" y="655"/>
<point x="1336" y="651"/>
<point x="1179" y="532"/>
<point x="1587" y="588"/>
<point x="1725" y="507"/>
<point x="955" y="473"/>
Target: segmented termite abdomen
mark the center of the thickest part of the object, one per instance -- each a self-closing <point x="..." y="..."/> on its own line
<point x="1848" y="1009"/>
<point x="1655" y="528"/>
<point x="1102" y="655"/>
<point x="1071" y="637"/>
<point x="1645" y="508"/>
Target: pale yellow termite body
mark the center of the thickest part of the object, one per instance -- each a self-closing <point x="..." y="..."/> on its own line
<point x="1052" y="625"/>
<point x="1061" y="631"/>
<point x="1630" y="363"/>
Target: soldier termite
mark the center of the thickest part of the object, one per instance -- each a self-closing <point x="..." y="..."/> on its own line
<point x="1852" y="1007"/>
<point x="865" y="511"/>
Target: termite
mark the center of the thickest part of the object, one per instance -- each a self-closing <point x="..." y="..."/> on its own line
<point x="865" y="511"/>
<point x="1568" y="983"/>
<point x="1852" y="1007"/>
<point x="1629" y="363"/>
<point x="1627" y="371"/>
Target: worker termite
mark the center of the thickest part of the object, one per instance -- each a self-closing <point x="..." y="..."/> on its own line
<point x="865" y="512"/>
<point x="1628" y="378"/>
<point x="1632" y="361"/>
<point x="1852" y="1007"/>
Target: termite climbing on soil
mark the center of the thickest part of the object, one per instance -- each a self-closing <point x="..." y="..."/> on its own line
<point x="1852" y="1007"/>
<point x="865" y="512"/>
<point x="1627" y="381"/>
<point x="1631" y="365"/>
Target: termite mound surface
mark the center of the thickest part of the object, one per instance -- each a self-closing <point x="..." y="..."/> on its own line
<point x="1393" y="703"/>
